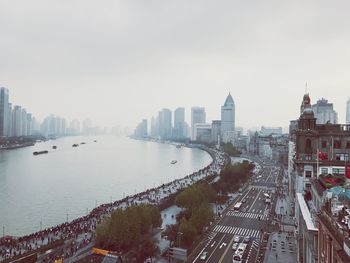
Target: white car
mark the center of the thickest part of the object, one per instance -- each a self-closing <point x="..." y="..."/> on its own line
<point x="236" y="239"/>
<point x="204" y="255"/>
<point x="235" y="246"/>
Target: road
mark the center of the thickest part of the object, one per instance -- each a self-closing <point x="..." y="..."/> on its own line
<point x="249" y="221"/>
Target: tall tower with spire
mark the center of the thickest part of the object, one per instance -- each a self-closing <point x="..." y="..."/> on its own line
<point x="228" y="120"/>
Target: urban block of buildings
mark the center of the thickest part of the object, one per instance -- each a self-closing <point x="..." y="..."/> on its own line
<point x="319" y="183"/>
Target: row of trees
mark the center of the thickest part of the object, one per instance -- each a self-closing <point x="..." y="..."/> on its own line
<point x="230" y="149"/>
<point x="232" y="176"/>
<point x="196" y="215"/>
<point x="130" y="229"/>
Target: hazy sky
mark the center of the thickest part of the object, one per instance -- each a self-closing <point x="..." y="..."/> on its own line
<point x="120" y="61"/>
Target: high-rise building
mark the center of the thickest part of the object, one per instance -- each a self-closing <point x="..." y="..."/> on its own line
<point x="141" y="129"/>
<point x="197" y="116"/>
<point x="9" y="121"/>
<point x="24" y="122"/>
<point x="17" y="121"/>
<point x="4" y="112"/>
<point x="228" y="120"/>
<point x="179" y="123"/>
<point x="202" y="132"/>
<point x="165" y="124"/>
<point x="348" y="111"/>
<point x="216" y="131"/>
<point x="324" y="112"/>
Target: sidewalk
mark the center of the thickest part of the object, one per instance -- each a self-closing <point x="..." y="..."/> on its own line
<point x="281" y="248"/>
<point x="281" y="245"/>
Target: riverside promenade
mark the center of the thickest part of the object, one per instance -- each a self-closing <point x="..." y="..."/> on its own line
<point x="67" y="240"/>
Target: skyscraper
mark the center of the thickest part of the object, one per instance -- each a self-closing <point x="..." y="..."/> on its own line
<point x="179" y="123"/>
<point x="17" y="121"/>
<point x="348" y="111"/>
<point x="4" y="111"/>
<point x="228" y="120"/>
<point x="197" y="116"/>
<point x="165" y="124"/>
<point x="324" y="112"/>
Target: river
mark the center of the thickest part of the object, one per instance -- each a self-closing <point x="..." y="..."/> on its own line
<point x="45" y="190"/>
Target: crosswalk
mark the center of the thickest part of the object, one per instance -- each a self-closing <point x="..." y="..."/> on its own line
<point x="237" y="231"/>
<point x="247" y="215"/>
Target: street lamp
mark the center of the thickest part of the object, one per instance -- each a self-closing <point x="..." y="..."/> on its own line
<point x="179" y="238"/>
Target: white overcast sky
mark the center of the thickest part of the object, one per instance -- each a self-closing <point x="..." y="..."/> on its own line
<point x="120" y="61"/>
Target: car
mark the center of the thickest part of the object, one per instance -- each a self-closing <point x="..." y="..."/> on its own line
<point x="235" y="246"/>
<point x="244" y="200"/>
<point x="204" y="255"/>
<point x="236" y="239"/>
<point x="237" y="258"/>
<point x="266" y="195"/>
<point x="246" y="239"/>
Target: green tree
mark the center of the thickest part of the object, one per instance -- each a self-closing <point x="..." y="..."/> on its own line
<point x="148" y="248"/>
<point x="125" y="229"/>
<point x="201" y="216"/>
<point x="188" y="233"/>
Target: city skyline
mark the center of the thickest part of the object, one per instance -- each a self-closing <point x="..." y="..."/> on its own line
<point x="102" y="57"/>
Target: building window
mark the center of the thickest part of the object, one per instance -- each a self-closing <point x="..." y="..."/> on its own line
<point x="324" y="170"/>
<point x="348" y="144"/>
<point x="324" y="144"/>
<point x="342" y="157"/>
<point x="308" y="174"/>
<point x="338" y="171"/>
<point x="337" y="144"/>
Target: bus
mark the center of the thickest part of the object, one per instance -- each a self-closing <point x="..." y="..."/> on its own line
<point x="237" y="206"/>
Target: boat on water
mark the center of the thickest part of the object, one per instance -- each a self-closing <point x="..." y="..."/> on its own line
<point x="83" y="143"/>
<point x="75" y="145"/>
<point x="173" y="162"/>
<point x="40" y="152"/>
<point x="95" y="140"/>
<point x="54" y="147"/>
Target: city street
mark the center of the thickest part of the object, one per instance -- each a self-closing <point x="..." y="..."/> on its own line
<point x="250" y="221"/>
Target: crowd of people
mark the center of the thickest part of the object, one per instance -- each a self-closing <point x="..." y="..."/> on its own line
<point x="79" y="233"/>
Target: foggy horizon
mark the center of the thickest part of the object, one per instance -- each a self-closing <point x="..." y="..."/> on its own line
<point x="120" y="62"/>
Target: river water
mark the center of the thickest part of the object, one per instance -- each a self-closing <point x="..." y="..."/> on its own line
<point x="45" y="190"/>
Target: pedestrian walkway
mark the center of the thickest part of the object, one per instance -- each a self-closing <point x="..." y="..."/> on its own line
<point x="281" y="248"/>
<point x="247" y="215"/>
<point x="237" y="231"/>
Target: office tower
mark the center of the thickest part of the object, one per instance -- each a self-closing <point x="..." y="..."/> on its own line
<point x="197" y="116"/>
<point x="228" y="120"/>
<point x="142" y="129"/>
<point x="324" y="112"/>
<point x="202" y="132"/>
<point x="4" y="112"/>
<point x="216" y="131"/>
<point x="165" y="124"/>
<point x="179" y="123"/>
<point x="17" y="121"/>
<point x="348" y="111"/>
